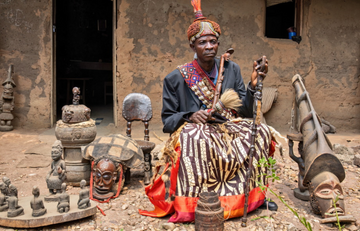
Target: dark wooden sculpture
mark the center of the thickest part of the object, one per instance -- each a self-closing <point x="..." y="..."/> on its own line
<point x="7" y="183"/>
<point x="7" y="102"/>
<point x="57" y="174"/>
<point x="137" y="107"/>
<point x="104" y="174"/>
<point x="3" y="198"/>
<point x="14" y="209"/>
<point x="320" y="171"/>
<point x="112" y="155"/>
<point x="76" y="112"/>
<point x="37" y="204"/>
<point x="35" y="213"/>
<point x="84" y="196"/>
<point x="64" y="200"/>
<point x="76" y="129"/>
<point x="76" y="97"/>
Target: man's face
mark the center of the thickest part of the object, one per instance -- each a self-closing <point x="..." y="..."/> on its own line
<point x="206" y="48"/>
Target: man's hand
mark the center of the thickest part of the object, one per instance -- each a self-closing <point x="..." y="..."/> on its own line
<point x="255" y="73"/>
<point x="200" y="116"/>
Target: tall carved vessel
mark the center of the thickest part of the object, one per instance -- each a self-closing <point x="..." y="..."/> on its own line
<point x="7" y="102"/>
<point x="75" y="130"/>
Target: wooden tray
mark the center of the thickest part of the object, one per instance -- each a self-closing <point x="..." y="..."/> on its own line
<point x="50" y="218"/>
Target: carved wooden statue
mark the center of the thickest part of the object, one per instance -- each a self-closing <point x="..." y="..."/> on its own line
<point x="57" y="174"/>
<point x="64" y="200"/>
<point x="320" y="172"/>
<point x="7" y="102"/>
<point x="37" y="204"/>
<point x="84" y="200"/>
<point x="14" y="209"/>
<point x="76" y="93"/>
<point x="76" y="112"/>
<point x="7" y="183"/>
<point x="104" y="174"/>
<point x="76" y="129"/>
<point x="3" y="198"/>
<point x="112" y="155"/>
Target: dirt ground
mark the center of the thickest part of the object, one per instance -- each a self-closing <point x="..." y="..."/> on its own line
<point x="25" y="159"/>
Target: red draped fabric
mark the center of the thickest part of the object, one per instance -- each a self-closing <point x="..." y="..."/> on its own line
<point x="184" y="207"/>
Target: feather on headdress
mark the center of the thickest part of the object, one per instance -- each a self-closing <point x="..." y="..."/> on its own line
<point x="201" y="25"/>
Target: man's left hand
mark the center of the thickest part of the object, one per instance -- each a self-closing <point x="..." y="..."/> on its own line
<point x="254" y="74"/>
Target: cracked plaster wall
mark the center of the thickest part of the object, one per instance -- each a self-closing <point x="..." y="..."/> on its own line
<point x="151" y="42"/>
<point x="25" y="43"/>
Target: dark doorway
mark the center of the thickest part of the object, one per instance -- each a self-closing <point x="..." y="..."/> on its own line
<point x="83" y="57"/>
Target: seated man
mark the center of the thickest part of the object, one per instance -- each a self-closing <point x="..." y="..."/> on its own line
<point x="205" y="154"/>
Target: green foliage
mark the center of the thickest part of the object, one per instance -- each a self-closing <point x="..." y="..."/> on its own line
<point x="270" y="165"/>
<point x="272" y="175"/>
<point x="336" y="214"/>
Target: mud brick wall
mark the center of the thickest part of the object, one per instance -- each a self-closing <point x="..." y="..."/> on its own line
<point x="25" y="42"/>
<point x="151" y="42"/>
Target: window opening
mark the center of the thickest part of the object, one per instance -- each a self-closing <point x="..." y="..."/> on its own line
<point x="283" y="19"/>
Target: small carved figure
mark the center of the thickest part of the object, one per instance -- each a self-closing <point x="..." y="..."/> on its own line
<point x="75" y="113"/>
<point x="56" y="175"/>
<point x="37" y="204"/>
<point x="87" y="112"/>
<point x="7" y="102"/>
<point x="84" y="200"/>
<point x="67" y="114"/>
<point x="64" y="200"/>
<point x="76" y="93"/>
<point x="3" y="198"/>
<point x="7" y="183"/>
<point x="105" y="174"/>
<point x="14" y="209"/>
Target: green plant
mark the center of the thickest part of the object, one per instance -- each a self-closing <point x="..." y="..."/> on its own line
<point x="336" y="214"/>
<point x="263" y="163"/>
